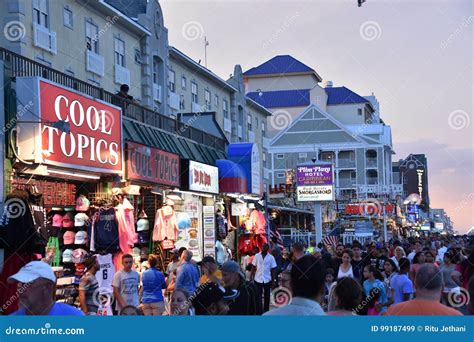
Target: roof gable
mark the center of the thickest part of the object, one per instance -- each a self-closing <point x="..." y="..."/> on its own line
<point x="282" y="64"/>
<point x="343" y="95"/>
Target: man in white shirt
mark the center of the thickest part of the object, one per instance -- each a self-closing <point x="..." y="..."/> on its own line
<point x="416" y="247"/>
<point x="308" y="284"/>
<point x="264" y="274"/>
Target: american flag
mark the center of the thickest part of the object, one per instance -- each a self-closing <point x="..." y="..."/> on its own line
<point x="275" y="235"/>
<point x="330" y="241"/>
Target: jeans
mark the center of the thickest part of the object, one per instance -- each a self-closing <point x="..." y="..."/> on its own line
<point x="264" y="288"/>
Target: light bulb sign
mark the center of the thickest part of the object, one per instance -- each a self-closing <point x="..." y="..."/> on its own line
<point x="315" y="182"/>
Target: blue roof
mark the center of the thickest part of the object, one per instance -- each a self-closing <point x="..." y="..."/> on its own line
<point x="282" y="98"/>
<point x="342" y="95"/>
<point x="283" y="64"/>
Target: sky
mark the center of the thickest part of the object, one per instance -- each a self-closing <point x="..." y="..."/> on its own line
<point x="415" y="56"/>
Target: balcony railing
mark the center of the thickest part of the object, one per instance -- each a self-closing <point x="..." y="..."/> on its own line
<point x="372" y="180"/>
<point x="371" y="162"/>
<point x="343" y="162"/>
<point x="19" y="66"/>
<point x="346" y="183"/>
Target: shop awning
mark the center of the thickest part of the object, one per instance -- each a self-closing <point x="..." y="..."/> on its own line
<point x="185" y="148"/>
<point x="232" y="177"/>
<point x="296" y="210"/>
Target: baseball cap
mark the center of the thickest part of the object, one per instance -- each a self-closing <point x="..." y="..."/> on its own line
<point x="57" y="220"/>
<point x="78" y="255"/>
<point x="68" y="237"/>
<point x="68" y="220"/>
<point x="174" y="251"/>
<point x="207" y="259"/>
<point x="143" y="224"/>
<point x="67" y="255"/>
<point x="32" y="271"/>
<point x="82" y="203"/>
<point x="81" y="238"/>
<point x="80" y="220"/>
<point x="231" y="266"/>
<point x="210" y="293"/>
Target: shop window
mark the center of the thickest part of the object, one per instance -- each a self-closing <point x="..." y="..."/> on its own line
<point x="67" y="17"/>
<point x="40" y="13"/>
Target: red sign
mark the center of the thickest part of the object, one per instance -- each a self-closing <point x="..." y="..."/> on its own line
<point x="368" y="208"/>
<point x="79" y="132"/>
<point x="152" y="165"/>
<point x="54" y="193"/>
<point x="281" y="188"/>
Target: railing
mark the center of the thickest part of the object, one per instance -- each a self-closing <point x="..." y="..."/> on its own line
<point x="19" y="66"/>
<point x="343" y="162"/>
<point x="346" y="183"/>
<point x="372" y="180"/>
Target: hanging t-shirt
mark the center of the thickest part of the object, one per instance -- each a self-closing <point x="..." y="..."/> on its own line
<point x="106" y="232"/>
<point x="105" y="276"/>
<point x="165" y="224"/>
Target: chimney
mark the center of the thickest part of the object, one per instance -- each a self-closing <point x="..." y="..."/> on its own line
<point x="328" y="84"/>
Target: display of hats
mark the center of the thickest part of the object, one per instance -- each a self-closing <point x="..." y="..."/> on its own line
<point x="78" y="255"/>
<point x="143" y="224"/>
<point x="67" y="255"/>
<point x="68" y="220"/>
<point x="57" y="220"/>
<point x="81" y="238"/>
<point x="143" y="236"/>
<point x="68" y="237"/>
<point x="80" y="220"/>
<point x="82" y="203"/>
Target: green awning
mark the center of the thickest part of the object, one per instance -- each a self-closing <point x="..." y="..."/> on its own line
<point x="185" y="148"/>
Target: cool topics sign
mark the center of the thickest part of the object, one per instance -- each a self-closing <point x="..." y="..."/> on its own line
<point x="315" y="183"/>
<point x="68" y="129"/>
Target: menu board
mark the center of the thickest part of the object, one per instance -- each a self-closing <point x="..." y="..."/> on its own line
<point x="209" y="231"/>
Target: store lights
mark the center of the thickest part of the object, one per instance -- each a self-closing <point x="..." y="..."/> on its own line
<point x="74" y="174"/>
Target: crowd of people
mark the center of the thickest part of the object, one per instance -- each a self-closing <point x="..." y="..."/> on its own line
<point x="415" y="276"/>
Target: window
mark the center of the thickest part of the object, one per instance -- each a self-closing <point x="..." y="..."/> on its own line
<point x="264" y="159"/>
<point x="138" y="56"/>
<point x="155" y="71"/>
<point x="263" y="128"/>
<point x="183" y="83"/>
<point x="359" y="111"/>
<point x="280" y="175"/>
<point x="256" y="122"/>
<point x="207" y="98"/>
<point x="280" y="156"/>
<point x="171" y="81"/>
<point x="303" y="155"/>
<point x="225" y="109"/>
<point x="194" y="92"/>
<point x="67" y="17"/>
<point x="249" y="122"/>
<point x="119" y="52"/>
<point x="40" y="13"/>
<point x="92" y="37"/>
<point x="216" y="101"/>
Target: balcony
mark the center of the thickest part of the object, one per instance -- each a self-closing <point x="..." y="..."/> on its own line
<point x="227" y="125"/>
<point x="372" y="180"/>
<point x="157" y="93"/>
<point x="94" y="63"/>
<point x="20" y="66"/>
<point x="346" y="163"/>
<point x="251" y="136"/>
<point x="44" y="38"/>
<point x="173" y="100"/>
<point x="371" y="162"/>
<point x="122" y="75"/>
<point x="346" y="183"/>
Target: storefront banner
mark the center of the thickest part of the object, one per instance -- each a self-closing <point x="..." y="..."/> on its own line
<point x="76" y="131"/>
<point x="203" y="177"/>
<point x="315" y="183"/>
<point x="209" y="231"/>
<point x="152" y="165"/>
<point x="315" y="193"/>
